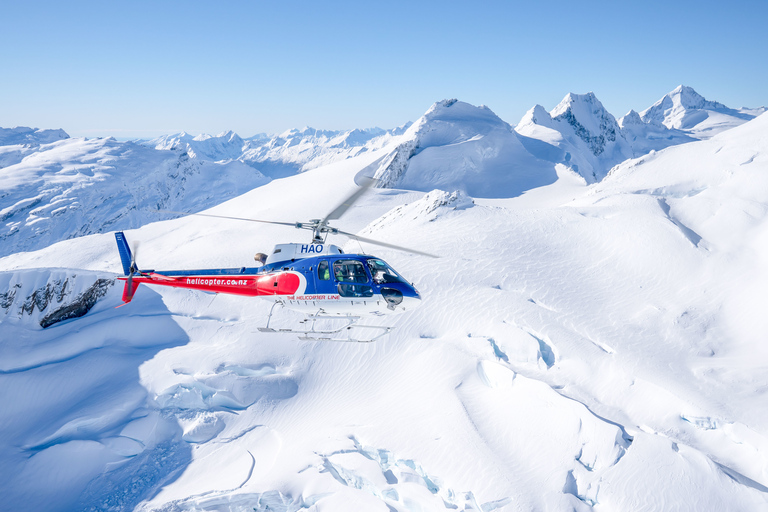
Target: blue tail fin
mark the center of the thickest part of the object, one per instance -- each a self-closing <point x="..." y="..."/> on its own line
<point x="125" y="252"/>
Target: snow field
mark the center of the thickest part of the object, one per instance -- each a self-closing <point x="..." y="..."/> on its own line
<point x="578" y="348"/>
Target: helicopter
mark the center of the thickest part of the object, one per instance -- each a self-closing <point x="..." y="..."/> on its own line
<point x="314" y="278"/>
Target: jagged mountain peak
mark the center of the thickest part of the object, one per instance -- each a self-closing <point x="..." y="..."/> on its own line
<point x="593" y="125"/>
<point x="571" y="99"/>
<point x="579" y="132"/>
<point x="685" y="109"/>
<point x="689" y="98"/>
<point x="630" y="118"/>
<point x="680" y="98"/>
<point x="537" y="115"/>
<point x="584" y="107"/>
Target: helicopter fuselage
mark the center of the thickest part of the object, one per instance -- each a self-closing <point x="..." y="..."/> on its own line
<point x="314" y="279"/>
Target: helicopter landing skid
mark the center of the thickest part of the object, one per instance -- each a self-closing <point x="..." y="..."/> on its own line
<point x="313" y="334"/>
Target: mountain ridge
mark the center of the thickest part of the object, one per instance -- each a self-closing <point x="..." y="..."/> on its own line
<point x="49" y="179"/>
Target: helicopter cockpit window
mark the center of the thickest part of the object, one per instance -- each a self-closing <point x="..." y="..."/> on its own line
<point x="323" y="271"/>
<point x="349" y="271"/>
<point x="383" y="273"/>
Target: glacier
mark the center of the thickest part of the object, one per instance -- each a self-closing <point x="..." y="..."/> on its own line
<point x="583" y="344"/>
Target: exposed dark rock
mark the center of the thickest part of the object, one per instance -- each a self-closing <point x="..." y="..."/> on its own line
<point x="41" y="297"/>
<point x="7" y="298"/>
<point x="80" y="306"/>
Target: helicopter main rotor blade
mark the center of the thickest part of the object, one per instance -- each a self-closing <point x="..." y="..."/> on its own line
<point x="347" y="203"/>
<point x="292" y="224"/>
<point x="134" y="252"/>
<point x="385" y="244"/>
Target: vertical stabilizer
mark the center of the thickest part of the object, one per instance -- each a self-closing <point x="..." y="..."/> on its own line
<point x="125" y="252"/>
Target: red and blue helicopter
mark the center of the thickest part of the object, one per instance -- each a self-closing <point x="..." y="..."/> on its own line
<point x="315" y="278"/>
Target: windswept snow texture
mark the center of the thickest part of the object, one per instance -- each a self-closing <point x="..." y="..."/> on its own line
<point x="579" y="347"/>
<point x="78" y="429"/>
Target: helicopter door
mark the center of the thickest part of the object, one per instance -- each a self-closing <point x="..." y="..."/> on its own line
<point x="352" y="279"/>
<point x="323" y="282"/>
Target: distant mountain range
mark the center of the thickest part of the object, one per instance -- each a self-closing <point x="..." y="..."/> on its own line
<point x="54" y="187"/>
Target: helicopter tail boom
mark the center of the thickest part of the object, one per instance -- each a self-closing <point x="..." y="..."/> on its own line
<point x="235" y="281"/>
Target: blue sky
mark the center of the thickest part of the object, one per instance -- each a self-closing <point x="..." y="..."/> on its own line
<point x="140" y="69"/>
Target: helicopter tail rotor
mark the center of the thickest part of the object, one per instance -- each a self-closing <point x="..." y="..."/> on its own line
<point x="128" y="259"/>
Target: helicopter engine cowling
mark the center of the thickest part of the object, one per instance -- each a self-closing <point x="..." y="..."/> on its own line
<point x="288" y="252"/>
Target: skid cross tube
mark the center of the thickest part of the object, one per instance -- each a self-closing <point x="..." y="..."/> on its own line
<point x="328" y="334"/>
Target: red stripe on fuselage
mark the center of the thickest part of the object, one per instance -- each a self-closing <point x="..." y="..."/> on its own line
<point x="282" y="283"/>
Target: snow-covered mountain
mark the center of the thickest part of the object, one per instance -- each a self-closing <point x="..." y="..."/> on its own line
<point x="645" y="137"/>
<point x="685" y="109"/>
<point x="53" y="187"/>
<point x="225" y="146"/>
<point x="75" y="187"/>
<point x="457" y="145"/>
<point x="284" y="154"/>
<point x="22" y="135"/>
<point x="579" y="347"/>
<point x="586" y="135"/>
<point x="582" y="135"/>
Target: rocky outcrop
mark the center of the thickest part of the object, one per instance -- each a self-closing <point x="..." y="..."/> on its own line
<point x="49" y="296"/>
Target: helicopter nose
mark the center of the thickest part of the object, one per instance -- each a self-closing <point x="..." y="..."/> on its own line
<point x="412" y="300"/>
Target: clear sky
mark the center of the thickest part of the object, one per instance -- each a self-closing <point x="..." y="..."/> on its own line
<point x="140" y="68"/>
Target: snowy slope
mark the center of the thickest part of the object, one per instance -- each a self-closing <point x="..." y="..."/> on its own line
<point x="685" y="109"/>
<point x="74" y="187"/>
<point x="586" y="135"/>
<point x="579" y="347"/>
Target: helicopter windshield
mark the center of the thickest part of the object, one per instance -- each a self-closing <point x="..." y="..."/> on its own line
<point x="383" y="273"/>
